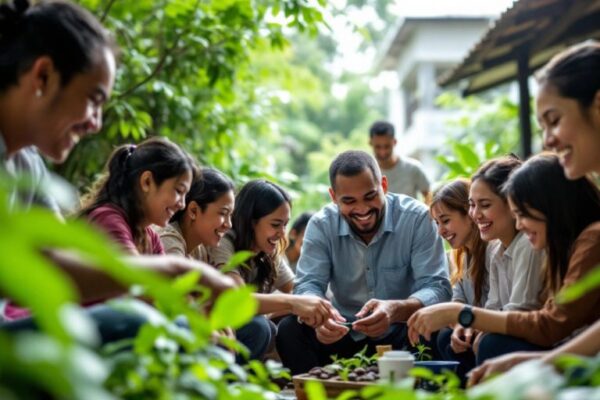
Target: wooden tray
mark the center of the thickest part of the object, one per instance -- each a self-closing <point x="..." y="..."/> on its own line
<point x="333" y="387"/>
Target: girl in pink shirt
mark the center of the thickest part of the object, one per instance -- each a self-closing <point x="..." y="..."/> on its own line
<point x="144" y="185"/>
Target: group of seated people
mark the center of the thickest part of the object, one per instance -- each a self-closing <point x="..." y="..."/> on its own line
<point x="519" y="231"/>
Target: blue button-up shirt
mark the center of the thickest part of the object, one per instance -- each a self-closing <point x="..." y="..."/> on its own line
<point x="404" y="259"/>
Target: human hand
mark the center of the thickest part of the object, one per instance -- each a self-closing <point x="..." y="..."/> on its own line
<point x="497" y="365"/>
<point x="314" y="310"/>
<point x="461" y="339"/>
<point x="431" y="319"/>
<point x="225" y="332"/>
<point x="330" y="332"/>
<point x="374" y="318"/>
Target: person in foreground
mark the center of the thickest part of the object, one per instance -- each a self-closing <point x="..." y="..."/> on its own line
<point x="379" y="254"/>
<point x="57" y="68"/>
<point x="568" y="110"/>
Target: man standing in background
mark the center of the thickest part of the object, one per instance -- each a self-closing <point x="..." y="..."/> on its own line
<point x="404" y="175"/>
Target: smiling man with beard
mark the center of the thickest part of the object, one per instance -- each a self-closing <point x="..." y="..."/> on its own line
<point x="378" y="253"/>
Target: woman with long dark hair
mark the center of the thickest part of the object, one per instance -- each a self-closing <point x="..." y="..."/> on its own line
<point x="261" y="215"/>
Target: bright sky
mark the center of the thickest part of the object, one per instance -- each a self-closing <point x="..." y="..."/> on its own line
<point x="349" y="41"/>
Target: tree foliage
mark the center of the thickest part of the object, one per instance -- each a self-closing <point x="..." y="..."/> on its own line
<point x="185" y="73"/>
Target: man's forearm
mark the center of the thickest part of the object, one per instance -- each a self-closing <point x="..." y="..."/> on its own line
<point x="92" y="284"/>
<point x="403" y="309"/>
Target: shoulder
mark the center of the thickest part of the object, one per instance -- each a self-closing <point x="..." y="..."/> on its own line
<point x="326" y="219"/>
<point x="171" y="239"/>
<point x="107" y="213"/>
<point x="225" y="247"/>
<point x="410" y="163"/>
<point x="171" y="231"/>
<point x="403" y="205"/>
<point x="523" y="245"/>
<point x="587" y="244"/>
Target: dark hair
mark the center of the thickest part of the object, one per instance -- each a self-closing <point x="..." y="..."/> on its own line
<point x="300" y="223"/>
<point x="455" y="196"/>
<point x="120" y="184"/>
<point x="382" y="128"/>
<point x="574" y="72"/>
<point x="208" y="186"/>
<point x="495" y="172"/>
<point x="352" y="163"/>
<point x="255" y="200"/>
<point x="65" y="32"/>
<point x="568" y="206"/>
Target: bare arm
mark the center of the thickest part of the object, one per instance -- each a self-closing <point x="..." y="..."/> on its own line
<point x="94" y="284"/>
<point x="311" y="309"/>
<point x="433" y="318"/>
<point x="586" y="343"/>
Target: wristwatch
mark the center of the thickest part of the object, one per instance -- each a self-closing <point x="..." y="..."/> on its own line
<point x="466" y="316"/>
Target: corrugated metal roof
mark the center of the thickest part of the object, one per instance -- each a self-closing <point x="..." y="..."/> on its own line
<point x="540" y="28"/>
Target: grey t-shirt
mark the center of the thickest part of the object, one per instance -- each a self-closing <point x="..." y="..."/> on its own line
<point x="220" y="256"/>
<point x="407" y="177"/>
<point x="27" y="164"/>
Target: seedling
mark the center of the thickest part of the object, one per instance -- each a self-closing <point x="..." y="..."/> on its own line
<point x="423" y="352"/>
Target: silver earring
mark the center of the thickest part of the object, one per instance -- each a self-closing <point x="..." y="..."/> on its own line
<point x="38" y="93"/>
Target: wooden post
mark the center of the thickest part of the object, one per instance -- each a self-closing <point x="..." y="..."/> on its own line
<point x="524" y="104"/>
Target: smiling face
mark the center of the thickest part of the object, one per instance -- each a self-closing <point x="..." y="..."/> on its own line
<point x="161" y="202"/>
<point x="270" y="229"/>
<point x="209" y="226"/>
<point x="63" y="115"/>
<point x="532" y="223"/>
<point x="361" y="201"/>
<point x="454" y="226"/>
<point x="491" y="214"/>
<point x="570" y="131"/>
<point x="383" y="147"/>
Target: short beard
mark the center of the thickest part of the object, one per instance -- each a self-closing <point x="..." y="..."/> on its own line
<point x="379" y="217"/>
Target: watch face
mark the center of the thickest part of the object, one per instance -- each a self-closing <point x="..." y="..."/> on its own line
<point x="465" y="317"/>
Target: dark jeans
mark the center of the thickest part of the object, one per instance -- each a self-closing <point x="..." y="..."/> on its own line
<point x="494" y="345"/>
<point x="466" y="359"/>
<point x="256" y="336"/>
<point x="112" y="325"/>
<point x="300" y="350"/>
<point x="115" y="325"/>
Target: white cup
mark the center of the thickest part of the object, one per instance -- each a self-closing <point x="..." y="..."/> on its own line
<point x="394" y="365"/>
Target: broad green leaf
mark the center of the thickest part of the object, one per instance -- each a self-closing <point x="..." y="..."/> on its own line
<point x="589" y="282"/>
<point x="315" y="390"/>
<point x="239" y="258"/>
<point x="233" y="308"/>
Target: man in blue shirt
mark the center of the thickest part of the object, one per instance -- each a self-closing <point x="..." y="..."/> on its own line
<point x="379" y="254"/>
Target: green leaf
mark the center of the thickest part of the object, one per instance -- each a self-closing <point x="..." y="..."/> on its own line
<point x="315" y="390"/>
<point x="186" y="283"/>
<point x="239" y="258"/>
<point x="233" y="308"/>
<point x="585" y="285"/>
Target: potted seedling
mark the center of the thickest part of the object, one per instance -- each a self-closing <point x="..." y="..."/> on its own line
<point x="432" y="374"/>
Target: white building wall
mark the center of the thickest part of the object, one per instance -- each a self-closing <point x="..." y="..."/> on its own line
<point x="431" y="45"/>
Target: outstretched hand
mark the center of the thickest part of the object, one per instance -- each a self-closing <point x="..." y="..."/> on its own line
<point x="330" y="332"/>
<point x="374" y="318"/>
<point x="431" y="319"/>
<point x="314" y="310"/>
